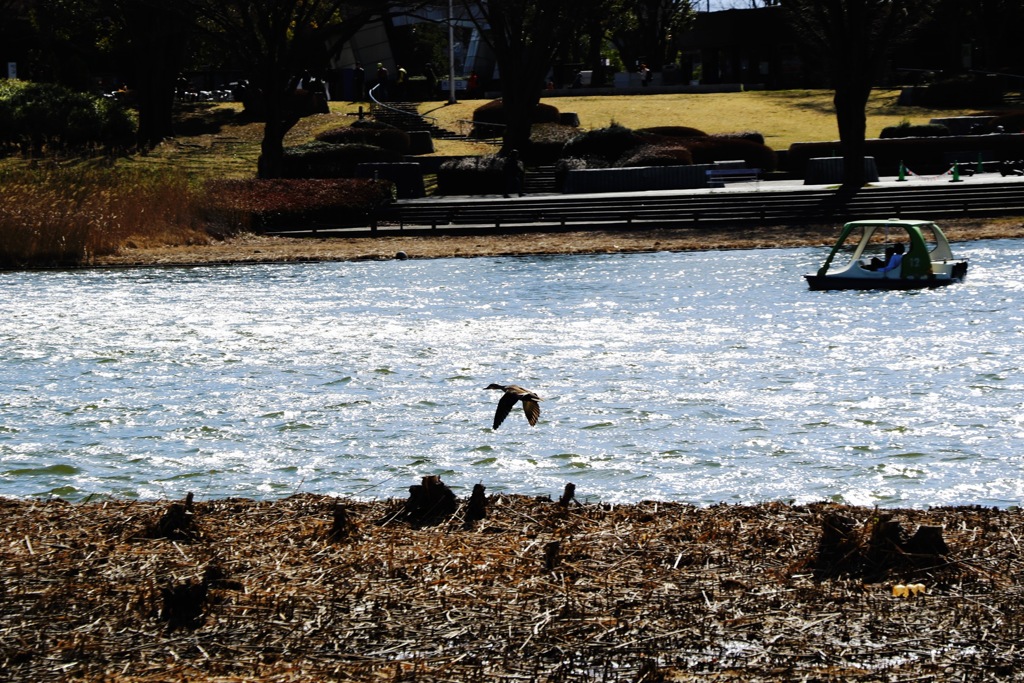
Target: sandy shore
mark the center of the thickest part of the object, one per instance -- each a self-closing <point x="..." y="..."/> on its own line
<point x="311" y="588"/>
<point x="250" y="248"/>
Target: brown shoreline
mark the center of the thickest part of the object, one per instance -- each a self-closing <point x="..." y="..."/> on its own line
<point x="250" y="248"/>
<point x="242" y="590"/>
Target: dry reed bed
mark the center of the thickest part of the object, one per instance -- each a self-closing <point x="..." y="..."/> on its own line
<point x="244" y="590"/>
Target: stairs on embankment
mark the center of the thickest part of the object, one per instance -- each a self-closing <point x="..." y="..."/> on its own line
<point x="702" y="209"/>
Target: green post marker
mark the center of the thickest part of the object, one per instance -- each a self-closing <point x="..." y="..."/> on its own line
<point x="956" y="173"/>
<point x="903" y="173"/>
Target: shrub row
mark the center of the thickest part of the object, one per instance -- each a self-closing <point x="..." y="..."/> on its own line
<point x="473" y="175"/>
<point x="327" y="160"/>
<point x="237" y="205"/>
<point x="924" y="156"/>
<point x="620" y="146"/>
<point x="909" y="130"/>
<point x="38" y="118"/>
<point x="368" y="133"/>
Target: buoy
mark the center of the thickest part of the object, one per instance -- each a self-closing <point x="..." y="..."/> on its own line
<point x="956" y="173"/>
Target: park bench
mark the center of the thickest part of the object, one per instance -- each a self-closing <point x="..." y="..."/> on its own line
<point x="718" y="177"/>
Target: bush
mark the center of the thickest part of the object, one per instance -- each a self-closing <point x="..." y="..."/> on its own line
<point x="326" y="160"/>
<point x="752" y="135"/>
<point x="386" y="137"/>
<point x="488" y="119"/>
<point x="563" y="166"/>
<point x="1011" y="122"/>
<point x="547" y="141"/>
<point x="607" y="144"/>
<point x="44" y="117"/>
<point x="924" y="156"/>
<point x="472" y="175"/>
<point x="921" y="130"/>
<point x="242" y="205"/>
<point x="712" y="149"/>
<point x="673" y="132"/>
<point x="656" y="155"/>
<point x="963" y="91"/>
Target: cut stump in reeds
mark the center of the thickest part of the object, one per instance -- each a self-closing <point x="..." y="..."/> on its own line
<point x="430" y="502"/>
<point x="476" y="508"/>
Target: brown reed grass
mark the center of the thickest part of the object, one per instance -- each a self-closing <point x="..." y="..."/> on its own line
<point x="536" y="591"/>
<point x="63" y="215"/>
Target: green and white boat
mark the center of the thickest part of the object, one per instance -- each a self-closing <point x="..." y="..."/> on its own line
<point x="927" y="260"/>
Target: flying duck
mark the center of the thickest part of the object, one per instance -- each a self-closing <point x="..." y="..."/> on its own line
<point x="508" y="399"/>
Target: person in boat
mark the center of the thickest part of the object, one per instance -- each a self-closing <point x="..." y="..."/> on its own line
<point x="877" y="263"/>
<point x="896" y="260"/>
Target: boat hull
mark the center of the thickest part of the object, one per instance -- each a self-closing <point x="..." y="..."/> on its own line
<point x="833" y="282"/>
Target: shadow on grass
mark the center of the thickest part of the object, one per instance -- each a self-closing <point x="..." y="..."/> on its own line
<point x="202" y="119"/>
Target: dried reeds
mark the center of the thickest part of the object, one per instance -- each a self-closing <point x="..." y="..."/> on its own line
<point x="57" y="215"/>
<point x="294" y="590"/>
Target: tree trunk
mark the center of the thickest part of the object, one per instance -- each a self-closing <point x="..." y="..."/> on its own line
<point x="850" y="101"/>
<point x="158" y="43"/>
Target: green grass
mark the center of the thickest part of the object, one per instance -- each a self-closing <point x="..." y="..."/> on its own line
<point x="783" y="117"/>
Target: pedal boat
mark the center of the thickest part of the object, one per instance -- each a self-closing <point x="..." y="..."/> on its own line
<point x="928" y="261"/>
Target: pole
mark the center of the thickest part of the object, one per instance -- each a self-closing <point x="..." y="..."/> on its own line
<point x="451" y="54"/>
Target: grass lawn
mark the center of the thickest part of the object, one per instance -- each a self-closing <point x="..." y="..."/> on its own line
<point x="783" y="117"/>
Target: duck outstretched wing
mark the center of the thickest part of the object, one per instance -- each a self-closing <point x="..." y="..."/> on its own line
<point x="532" y="410"/>
<point x="504" y="407"/>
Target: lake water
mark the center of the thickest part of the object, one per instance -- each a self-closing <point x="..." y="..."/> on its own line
<point x="700" y="377"/>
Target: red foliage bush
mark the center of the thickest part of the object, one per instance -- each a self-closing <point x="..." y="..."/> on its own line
<point x="656" y="155"/>
<point x="673" y="131"/>
<point x="238" y="205"/>
<point x="488" y="118"/>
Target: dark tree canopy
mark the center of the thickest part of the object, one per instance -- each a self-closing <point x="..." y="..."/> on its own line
<point x="278" y="40"/>
<point x="647" y="30"/>
<point x="525" y="35"/>
<point x="853" y="38"/>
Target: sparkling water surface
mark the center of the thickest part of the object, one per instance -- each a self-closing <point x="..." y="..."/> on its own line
<point x="700" y="377"/>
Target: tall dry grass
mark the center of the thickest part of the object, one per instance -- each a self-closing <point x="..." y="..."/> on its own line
<point x="68" y="215"/>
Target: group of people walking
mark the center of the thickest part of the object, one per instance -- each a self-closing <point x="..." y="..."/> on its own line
<point x="383" y="86"/>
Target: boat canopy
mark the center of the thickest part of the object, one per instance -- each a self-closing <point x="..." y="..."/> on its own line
<point x="919" y="235"/>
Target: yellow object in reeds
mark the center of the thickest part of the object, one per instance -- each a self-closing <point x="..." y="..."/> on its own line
<point x="905" y="591"/>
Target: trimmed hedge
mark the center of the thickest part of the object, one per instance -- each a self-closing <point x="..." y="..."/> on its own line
<point x="711" y="149"/>
<point x="656" y="155"/>
<point x="673" y="131"/>
<point x="45" y="118"/>
<point x="488" y="119"/>
<point x="909" y="130"/>
<point x="386" y="137"/>
<point x="924" y="156"/>
<point x="962" y="91"/>
<point x="607" y="144"/>
<point x="473" y="175"/>
<point x="326" y="160"/>
<point x="240" y="205"/>
<point x="1011" y="121"/>
<point x="547" y="141"/>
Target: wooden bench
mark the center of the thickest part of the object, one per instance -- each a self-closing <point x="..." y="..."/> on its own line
<point x="718" y="177"/>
